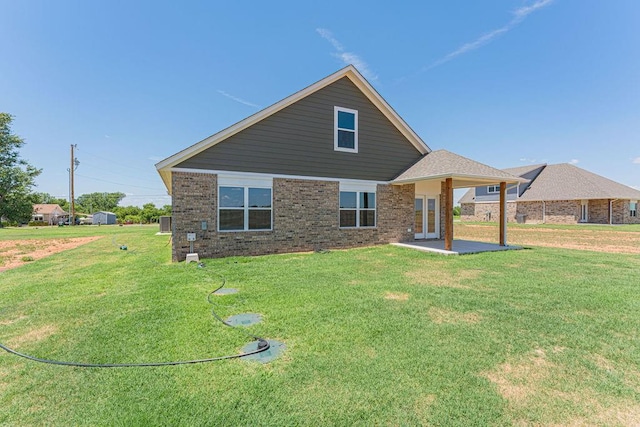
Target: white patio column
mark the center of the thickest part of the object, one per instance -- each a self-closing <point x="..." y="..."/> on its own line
<point x="503" y="214"/>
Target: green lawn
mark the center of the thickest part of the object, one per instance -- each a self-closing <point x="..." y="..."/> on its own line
<point x="374" y="336"/>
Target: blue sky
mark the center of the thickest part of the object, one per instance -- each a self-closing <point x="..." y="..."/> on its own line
<point x="505" y="82"/>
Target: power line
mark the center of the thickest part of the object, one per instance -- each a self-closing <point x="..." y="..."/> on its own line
<point x="116" y="183"/>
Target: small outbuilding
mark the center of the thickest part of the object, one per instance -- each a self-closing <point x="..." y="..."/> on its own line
<point x="104" y="218"/>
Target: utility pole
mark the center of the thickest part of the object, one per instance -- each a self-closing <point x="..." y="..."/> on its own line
<point x="72" y="203"/>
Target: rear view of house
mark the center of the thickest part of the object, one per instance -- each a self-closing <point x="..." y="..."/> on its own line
<point x="331" y="166"/>
<point x="556" y="194"/>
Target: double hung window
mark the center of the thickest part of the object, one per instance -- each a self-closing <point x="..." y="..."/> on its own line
<point x="244" y="208"/>
<point x="357" y="209"/>
<point x="345" y="130"/>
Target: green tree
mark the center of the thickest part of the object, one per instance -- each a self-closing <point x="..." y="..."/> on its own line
<point x="93" y="202"/>
<point x="122" y="212"/>
<point x="150" y="213"/>
<point x="17" y="177"/>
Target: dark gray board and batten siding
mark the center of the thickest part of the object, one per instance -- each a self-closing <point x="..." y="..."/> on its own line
<point x="298" y="140"/>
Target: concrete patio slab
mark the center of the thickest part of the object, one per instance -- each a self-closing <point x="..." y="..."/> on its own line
<point x="459" y="247"/>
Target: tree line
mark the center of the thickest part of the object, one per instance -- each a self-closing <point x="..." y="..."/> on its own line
<point x="87" y="204"/>
<point x="17" y="197"/>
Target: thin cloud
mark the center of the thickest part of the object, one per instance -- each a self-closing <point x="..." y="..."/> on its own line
<point x="636" y="161"/>
<point x="518" y="16"/>
<point x="155" y="158"/>
<point x="347" y="57"/>
<point x="327" y="35"/>
<point x="574" y="162"/>
<point x="526" y="160"/>
<point x="240" y="100"/>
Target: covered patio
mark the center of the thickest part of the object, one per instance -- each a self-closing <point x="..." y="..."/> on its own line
<point x="448" y="171"/>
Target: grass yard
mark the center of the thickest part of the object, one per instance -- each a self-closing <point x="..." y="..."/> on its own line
<point x="374" y="336"/>
<point x="600" y="238"/>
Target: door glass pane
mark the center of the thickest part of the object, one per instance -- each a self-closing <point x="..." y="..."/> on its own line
<point x="419" y="214"/>
<point x="431" y="215"/>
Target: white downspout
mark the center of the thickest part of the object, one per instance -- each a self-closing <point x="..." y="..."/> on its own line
<point x="544" y="212"/>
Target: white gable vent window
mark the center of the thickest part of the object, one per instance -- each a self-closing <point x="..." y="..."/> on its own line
<point x="345" y="132"/>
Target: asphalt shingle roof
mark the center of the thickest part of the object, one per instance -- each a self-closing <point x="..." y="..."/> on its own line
<point x="442" y="163"/>
<point x="569" y="182"/>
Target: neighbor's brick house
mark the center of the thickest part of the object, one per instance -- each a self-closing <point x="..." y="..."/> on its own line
<point x="556" y="194"/>
<point x="332" y="166"/>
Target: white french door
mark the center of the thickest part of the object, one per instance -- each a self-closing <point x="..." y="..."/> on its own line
<point x="427" y="218"/>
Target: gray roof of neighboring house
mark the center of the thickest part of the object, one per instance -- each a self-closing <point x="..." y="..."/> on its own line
<point x="522" y="170"/>
<point x="566" y="182"/>
<point x="469" y="196"/>
<point x="443" y="164"/>
<point x="569" y="182"/>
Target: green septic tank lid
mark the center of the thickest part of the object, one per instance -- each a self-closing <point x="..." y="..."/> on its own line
<point x="275" y="349"/>
<point x="225" y="291"/>
<point x="244" y="319"/>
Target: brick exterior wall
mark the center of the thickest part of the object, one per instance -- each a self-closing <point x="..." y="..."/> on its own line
<point x="532" y="212"/>
<point x="598" y="211"/>
<point x="622" y="215"/>
<point x="478" y="211"/>
<point x="556" y="212"/>
<point x="305" y="218"/>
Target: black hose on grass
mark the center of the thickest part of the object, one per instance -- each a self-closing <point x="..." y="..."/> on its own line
<point x="263" y="345"/>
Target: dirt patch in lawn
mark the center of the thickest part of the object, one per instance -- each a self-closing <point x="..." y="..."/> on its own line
<point x="534" y="384"/>
<point x="442" y="315"/>
<point x="396" y="296"/>
<point x="34" y="335"/>
<point x="14" y="253"/>
<point x="433" y="275"/>
<point x="579" y="237"/>
<point x="12" y="321"/>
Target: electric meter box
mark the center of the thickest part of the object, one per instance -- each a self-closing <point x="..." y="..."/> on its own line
<point x="191" y="237"/>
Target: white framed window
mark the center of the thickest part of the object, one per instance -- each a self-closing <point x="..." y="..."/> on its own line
<point x="633" y="208"/>
<point x="493" y="189"/>
<point x="244" y="204"/>
<point x="357" y="209"/>
<point x="345" y="129"/>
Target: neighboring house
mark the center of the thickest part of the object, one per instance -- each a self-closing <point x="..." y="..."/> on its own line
<point x="49" y="213"/>
<point x="331" y="166"/>
<point x="556" y="194"/>
<point x="102" y="218"/>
